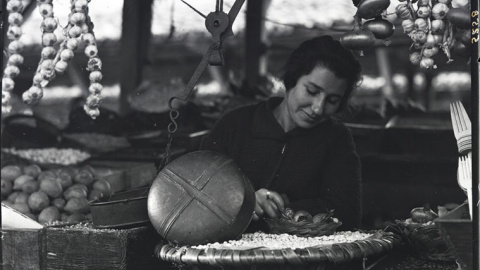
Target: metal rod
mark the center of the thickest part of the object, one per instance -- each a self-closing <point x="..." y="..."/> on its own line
<point x="201" y="14"/>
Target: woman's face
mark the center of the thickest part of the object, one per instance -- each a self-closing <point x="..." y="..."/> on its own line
<point x="313" y="99"/>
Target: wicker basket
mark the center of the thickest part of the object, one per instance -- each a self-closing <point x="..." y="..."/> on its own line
<point x="303" y="228"/>
<point x="379" y="243"/>
<point x="426" y="241"/>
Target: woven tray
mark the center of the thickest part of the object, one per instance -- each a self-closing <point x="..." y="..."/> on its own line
<point x="379" y="243"/>
<point x="426" y="241"/>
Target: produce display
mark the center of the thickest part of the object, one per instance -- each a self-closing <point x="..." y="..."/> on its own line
<point x="370" y="24"/>
<point x="283" y="241"/>
<point x="433" y="26"/>
<point x="423" y="215"/>
<point x="15" y="47"/>
<point x="302" y="223"/>
<point x="50" y="156"/>
<point x="57" y="195"/>
<point x="54" y="57"/>
<point x="423" y="236"/>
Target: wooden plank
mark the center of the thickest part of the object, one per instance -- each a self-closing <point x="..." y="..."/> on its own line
<point x="87" y="248"/>
<point x="22" y="249"/>
<point x="136" y="33"/>
<point x="255" y="62"/>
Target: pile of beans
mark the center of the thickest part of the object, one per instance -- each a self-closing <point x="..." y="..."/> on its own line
<point x="283" y="241"/>
<point x="67" y="156"/>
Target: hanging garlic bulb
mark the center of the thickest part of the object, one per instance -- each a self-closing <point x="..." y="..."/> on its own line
<point x="14" y="49"/>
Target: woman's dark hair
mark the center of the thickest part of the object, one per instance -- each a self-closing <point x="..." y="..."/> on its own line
<point x="326" y="52"/>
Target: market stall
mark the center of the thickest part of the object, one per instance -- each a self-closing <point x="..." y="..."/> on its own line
<point x="118" y="181"/>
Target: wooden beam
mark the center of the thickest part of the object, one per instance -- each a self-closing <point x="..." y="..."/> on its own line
<point x="136" y="34"/>
<point x="255" y="63"/>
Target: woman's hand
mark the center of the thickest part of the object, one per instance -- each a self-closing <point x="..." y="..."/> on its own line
<point x="268" y="203"/>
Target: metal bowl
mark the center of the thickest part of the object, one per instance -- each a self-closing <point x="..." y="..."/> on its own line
<point x="121" y="210"/>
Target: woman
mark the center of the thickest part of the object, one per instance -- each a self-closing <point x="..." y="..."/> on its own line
<point x="291" y="149"/>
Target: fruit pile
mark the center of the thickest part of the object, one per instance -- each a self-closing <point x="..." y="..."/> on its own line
<point x="433" y="26"/>
<point x="48" y="196"/>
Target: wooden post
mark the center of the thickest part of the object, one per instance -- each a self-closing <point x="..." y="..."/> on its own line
<point x="136" y="34"/>
<point x="255" y="63"/>
<point x="385" y="69"/>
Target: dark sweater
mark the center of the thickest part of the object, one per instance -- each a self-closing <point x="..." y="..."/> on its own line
<point x="317" y="168"/>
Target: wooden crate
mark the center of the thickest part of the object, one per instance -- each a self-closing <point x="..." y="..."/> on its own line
<point x="456" y="229"/>
<point x="22" y="249"/>
<point x="60" y="248"/>
<point x="99" y="249"/>
<point x="26" y="244"/>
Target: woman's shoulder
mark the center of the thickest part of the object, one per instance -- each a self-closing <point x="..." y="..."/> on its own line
<point x="241" y="111"/>
<point x="339" y="126"/>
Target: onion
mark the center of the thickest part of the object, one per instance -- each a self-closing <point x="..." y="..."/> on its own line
<point x="46" y="10"/>
<point x="49" y="25"/>
<point x="77" y="18"/>
<point x="423" y="214"/>
<point x="380" y="28"/>
<point x="75" y="31"/>
<point x="11" y="71"/>
<point x="408" y="25"/>
<point x="358" y="39"/>
<point x="66" y="54"/>
<point x="95" y="76"/>
<point x="424" y="12"/>
<point x="430" y="42"/>
<point x="72" y="43"/>
<point x="426" y="63"/>
<point x="48" y="52"/>
<point x="88" y="38"/>
<point x="14" y="6"/>
<point x="15" y="18"/>
<point x="15" y="47"/>
<point x="437" y="26"/>
<point x="369" y="9"/>
<point x="460" y="17"/>
<point x="14" y="32"/>
<point x="419" y="37"/>
<point x="61" y="66"/>
<point x="302" y="215"/>
<point x="95" y="88"/>
<point x="421" y="24"/>
<point x="48" y="39"/>
<point x="91" y="51"/>
<point x="7" y="84"/>
<point x="403" y="11"/>
<point x="5" y="97"/>
<point x="439" y="11"/>
<point x="430" y="51"/>
<point x="15" y="59"/>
